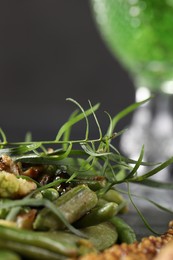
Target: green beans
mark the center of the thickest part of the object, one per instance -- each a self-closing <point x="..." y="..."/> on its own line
<point x="8" y="255"/>
<point x="102" y="235"/>
<point x="57" y="245"/>
<point x="94" y="217"/>
<point x="73" y="204"/>
<point x="31" y="252"/>
<point x="114" y="196"/>
<point x="125" y="232"/>
<point x="63" y="245"/>
<point x="50" y="194"/>
<point x="42" y="244"/>
<point x="98" y="215"/>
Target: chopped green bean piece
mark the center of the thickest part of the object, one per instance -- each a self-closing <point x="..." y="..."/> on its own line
<point x="125" y="232"/>
<point x="73" y="204"/>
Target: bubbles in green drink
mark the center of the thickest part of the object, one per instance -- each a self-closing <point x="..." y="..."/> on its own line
<point x="140" y="34"/>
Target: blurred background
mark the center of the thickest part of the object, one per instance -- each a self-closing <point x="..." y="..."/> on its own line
<point x="51" y="50"/>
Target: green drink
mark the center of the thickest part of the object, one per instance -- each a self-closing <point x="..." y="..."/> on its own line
<point x="140" y="34"/>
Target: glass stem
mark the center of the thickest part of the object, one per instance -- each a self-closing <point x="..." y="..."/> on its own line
<point x="152" y="126"/>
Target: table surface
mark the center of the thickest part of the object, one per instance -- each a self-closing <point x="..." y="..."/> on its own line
<point x="158" y="220"/>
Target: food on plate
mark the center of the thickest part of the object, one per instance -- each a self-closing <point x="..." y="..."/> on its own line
<point x="152" y="247"/>
<point x="63" y="198"/>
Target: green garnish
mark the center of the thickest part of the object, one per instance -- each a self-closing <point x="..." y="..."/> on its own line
<point x="87" y="157"/>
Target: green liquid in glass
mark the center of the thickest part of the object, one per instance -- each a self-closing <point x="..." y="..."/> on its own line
<point x="140" y="34"/>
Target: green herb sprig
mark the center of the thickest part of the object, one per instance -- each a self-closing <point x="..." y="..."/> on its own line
<point x="87" y="156"/>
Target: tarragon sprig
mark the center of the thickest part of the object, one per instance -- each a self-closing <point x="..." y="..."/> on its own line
<point x="101" y="151"/>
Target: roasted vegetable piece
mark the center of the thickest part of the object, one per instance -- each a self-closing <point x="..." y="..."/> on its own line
<point x="13" y="187"/>
<point x="73" y="204"/>
<point x="8" y="165"/>
<point x="125" y="232"/>
<point x="25" y="219"/>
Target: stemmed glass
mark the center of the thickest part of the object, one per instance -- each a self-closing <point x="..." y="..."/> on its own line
<point x="140" y="35"/>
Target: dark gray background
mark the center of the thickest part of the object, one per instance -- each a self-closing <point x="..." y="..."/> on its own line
<point x="51" y="50"/>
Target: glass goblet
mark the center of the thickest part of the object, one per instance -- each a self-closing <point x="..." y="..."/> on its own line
<point x="139" y="33"/>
